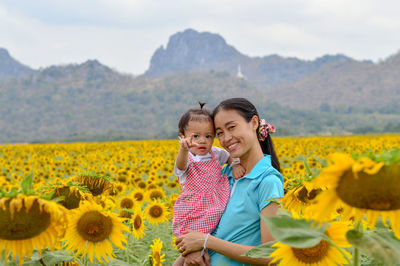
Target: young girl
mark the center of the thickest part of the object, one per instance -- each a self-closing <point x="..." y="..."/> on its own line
<point x="205" y="192"/>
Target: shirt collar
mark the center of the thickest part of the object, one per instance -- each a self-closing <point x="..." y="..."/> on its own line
<point x="263" y="167"/>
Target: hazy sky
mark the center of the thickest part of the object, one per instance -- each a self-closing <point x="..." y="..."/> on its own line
<point x="123" y="34"/>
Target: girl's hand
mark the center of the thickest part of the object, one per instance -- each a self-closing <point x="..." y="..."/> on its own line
<point x="190" y="241"/>
<point x="187" y="143"/>
<point x="238" y="171"/>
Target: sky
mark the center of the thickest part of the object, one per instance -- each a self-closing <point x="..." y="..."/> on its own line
<point x="123" y="34"/>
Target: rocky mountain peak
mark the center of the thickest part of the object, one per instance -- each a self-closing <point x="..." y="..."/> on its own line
<point x="191" y="50"/>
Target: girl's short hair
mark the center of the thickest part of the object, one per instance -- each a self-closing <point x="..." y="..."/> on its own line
<point x="247" y="110"/>
<point x="194" y="114"/>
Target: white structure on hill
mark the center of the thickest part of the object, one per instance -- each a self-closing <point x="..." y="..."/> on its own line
<point x="240" y="74"/>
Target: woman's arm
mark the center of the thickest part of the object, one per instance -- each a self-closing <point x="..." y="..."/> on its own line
<point x="193" y="241"/>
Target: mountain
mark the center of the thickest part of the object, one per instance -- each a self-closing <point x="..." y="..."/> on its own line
<point x="191" y="50"/>
<point x="346" y="84"/>
<point x="333" y="94"/>
<point x="198" y="51"/>
<point x="335" y="80"/>
<point x="9" y="67"/>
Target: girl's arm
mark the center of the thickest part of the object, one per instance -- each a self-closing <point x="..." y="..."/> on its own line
<point x="193" y="241"/>
<point x="238" y="170"/>
<point x="182" y="157"/>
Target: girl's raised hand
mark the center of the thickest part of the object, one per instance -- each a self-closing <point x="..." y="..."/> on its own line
<point x="187" y="143"/>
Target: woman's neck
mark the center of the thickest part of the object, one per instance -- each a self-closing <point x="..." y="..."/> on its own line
<point x="250" y="159"/>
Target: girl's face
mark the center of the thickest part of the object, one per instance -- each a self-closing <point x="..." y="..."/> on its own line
<point x="235" y="134"/>
<point x="203" y="135"/>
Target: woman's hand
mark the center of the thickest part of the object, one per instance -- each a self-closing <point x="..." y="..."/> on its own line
<point x="195" y="259"/>
<point x="190" y="241"/>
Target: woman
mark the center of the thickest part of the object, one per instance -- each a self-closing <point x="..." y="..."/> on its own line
<point x="241" y="228"/>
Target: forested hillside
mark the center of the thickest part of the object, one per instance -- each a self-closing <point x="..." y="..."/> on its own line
<point x="90" y="101"/>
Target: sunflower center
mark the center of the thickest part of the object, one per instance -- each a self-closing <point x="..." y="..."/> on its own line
<point x="137" y="222"/>
<point x="126" y="203"/>
<point x="24" y="224"/>
<point x="155" y="211"/>
<point x="379" y="191"/>
<point x="138" y="196"/>
<point x="313" y="254"/>
<point x="156" y="195"/>
<point x="122" y="178"/>
<point x="94" y="226"/>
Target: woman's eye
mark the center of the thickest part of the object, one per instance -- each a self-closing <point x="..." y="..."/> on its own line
<point x="231" y="127"/>
<point x="219" y="134"/>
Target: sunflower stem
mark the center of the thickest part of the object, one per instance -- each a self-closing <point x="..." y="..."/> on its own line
<point x="356" y="257"/>
<point x="356" y="253"/>
<point x="127" y="249"/>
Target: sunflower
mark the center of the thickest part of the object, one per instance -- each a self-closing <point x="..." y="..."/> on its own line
<point x="155" y="194"/>
<point x="108" y="203"/>
<point x="116" y="189"/>
<point x="126" y="204"/>
<point x="172" y="184"/>
<point x="155" y="255"/>
<point x="171" y="201"/>
<point x="127" y="201"/>
<point x="359" y="188"/>
<point x="71" y="195"/>
<point x="142" y="184"/>
<point x="29" y="222"/>
<point x="139" y="195"/>
<point x="324" y="253"/>
<point x="137" y="223"/>
<point x="297" y="199"/>
<point x="92" y="231"/>
<point x="97" y="184"/>
<point x="156" y="213"/>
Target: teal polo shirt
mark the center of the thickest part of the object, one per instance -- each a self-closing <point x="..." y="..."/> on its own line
<point x="240" y="222"/>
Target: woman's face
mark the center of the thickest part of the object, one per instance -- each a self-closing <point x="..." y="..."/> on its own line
<point x="235" y="134"/>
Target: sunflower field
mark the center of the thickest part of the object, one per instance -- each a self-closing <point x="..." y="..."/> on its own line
<point x="111" y="203"/>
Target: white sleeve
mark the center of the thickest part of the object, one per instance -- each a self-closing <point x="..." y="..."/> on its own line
<point x="181" y="174"/>
<point x="221" y="154"/>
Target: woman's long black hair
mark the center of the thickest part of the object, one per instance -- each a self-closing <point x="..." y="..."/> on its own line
<point x="247" y="110"/>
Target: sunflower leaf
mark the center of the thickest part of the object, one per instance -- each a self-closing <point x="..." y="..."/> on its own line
<point x="380" y="245"/>
<point x="55" y="257"/>
<point x="262" y="251"/>
<point x="296" y="233"/>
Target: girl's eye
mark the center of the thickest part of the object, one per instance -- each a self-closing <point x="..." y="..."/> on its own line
<point x="208" y="136"/>
<point x="195" y="136"/>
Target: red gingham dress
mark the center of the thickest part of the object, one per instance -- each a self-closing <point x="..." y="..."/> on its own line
<point x="204" y="196"/>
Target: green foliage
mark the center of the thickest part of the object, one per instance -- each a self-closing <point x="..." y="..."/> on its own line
<point x="380" y="245"/>
<point x="262" y="251"/>
<point x="90" y="102"/>
<point x="295" y="232"/>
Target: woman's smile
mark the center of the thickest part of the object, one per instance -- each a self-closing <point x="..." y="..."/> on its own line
<point x="232" y="147"/>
